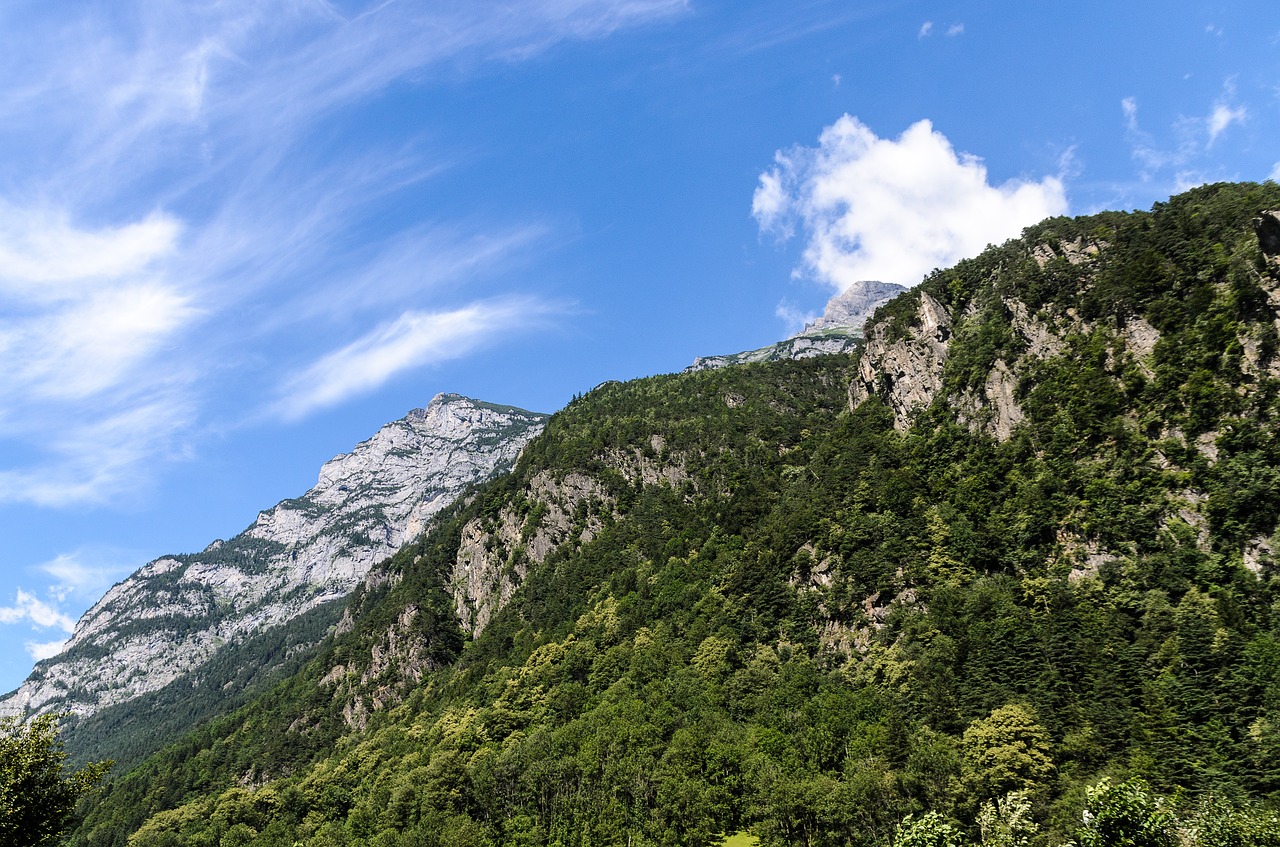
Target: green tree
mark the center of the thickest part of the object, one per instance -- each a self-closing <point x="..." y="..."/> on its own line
<point x="1006" y="751"/>
<point x="1007" y="821"/>
<point x="37" y="793"/>
<point x="1127" y="814"/>
<point x="929" y="830"/>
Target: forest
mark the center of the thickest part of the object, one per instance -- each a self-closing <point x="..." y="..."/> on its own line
<point x="778" y="613"/>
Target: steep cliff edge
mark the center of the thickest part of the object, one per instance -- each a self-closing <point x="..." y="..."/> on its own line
<point x="723" y="601"/>
<point x="174" y="614"/>
<point x="839" y="330"/>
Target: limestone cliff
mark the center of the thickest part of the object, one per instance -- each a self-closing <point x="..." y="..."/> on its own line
<point x="906" y="361"/>
<point x="838" y="330"/>
<point x="175" y="613"/>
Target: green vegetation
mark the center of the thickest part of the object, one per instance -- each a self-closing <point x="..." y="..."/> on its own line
<point x="37" y="792"/>
<point x="133" y="730"/>
<point x="822" y="631"/>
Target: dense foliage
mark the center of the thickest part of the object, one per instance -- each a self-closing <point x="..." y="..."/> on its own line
<point x="37" y="790"/>
<point x="816" y="626"/>
<point x="129" y="731"/>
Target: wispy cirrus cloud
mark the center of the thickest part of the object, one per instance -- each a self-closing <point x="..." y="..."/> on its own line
<point x="1181" y="155"/>
<point x="413" y="340"/>
<point x="892" y="210"/>
<point x="164" y="202"/>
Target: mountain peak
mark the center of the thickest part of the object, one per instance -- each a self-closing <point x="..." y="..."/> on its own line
<point x="174" y="614"/>
<point x="837" y="331"/>
<point x="851" y="308"/>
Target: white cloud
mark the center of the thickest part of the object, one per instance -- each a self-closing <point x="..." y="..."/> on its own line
<point x="100" y="458"/>
<point x="414" y="340"/>
<point x="1182" y="159"/>
<point x="1223" y="116"/>
<point x="1129" y="106"/>
<point x="121" y="318"/>
<point x="86" y="315"/>
<point x="794" y="317"/>
<point x="86" y="574"/>
<point x="41" y="650"/>
<point x="926" y="29"/>
<point x="31" y="609"/>
<point x="80" y="577"/>
<point x="95" y="345"/>
<point x="893" y="210"/>
<point x="954" y="30"/>
<point x="1274" y="176"/>
<point x="44" y="257"/>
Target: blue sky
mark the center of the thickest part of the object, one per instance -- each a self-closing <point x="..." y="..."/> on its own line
<point x="237" y="237"/>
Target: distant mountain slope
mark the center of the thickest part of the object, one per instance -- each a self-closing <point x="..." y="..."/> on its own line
<point x="173" y="615"/>
<point x="1022" y="542"/>
<point x="838" y="330"/>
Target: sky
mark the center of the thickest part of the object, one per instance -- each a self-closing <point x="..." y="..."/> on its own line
<point x="237" y="237"/>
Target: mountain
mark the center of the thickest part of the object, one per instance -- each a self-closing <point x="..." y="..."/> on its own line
<point x="172" y="617"/>
<point x="1018" y="545"/>
<point x="838" y="330"/>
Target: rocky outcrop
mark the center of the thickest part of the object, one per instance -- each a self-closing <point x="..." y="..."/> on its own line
<point x="1267" y="228"/>
<point x="839" y="330"/>
<point x="173" y="614"/>
<point x="906" y="355"/>
<point x="904" y="365"/>
<point x="496" y="553"/>
<point x="853" y="307"/>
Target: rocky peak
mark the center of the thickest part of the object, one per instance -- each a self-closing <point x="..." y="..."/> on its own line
<point x="838" y="330"/>
<point x="173" y="614"/>
<point x="853" y="307"/>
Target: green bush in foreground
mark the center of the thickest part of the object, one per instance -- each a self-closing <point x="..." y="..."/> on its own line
<point x="1124" y="814"/>
<point x="37" y="794"/>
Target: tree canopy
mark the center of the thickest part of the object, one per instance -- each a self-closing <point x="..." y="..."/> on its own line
<point x="38" y="792"/>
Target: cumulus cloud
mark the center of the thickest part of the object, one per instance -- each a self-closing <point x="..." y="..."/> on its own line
<point x="415" y="339"/>
<point x="892" y="209"/>
<point x="31" y="609"/>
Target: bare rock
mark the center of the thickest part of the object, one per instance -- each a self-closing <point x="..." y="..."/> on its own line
<point x="1267" y="227"/>
<point x="173" y="614"/>
<point x="906" y="371"/>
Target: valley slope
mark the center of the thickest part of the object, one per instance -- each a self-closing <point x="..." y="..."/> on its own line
<point x="1021" y="541"/>
<point x="267" y="595"/>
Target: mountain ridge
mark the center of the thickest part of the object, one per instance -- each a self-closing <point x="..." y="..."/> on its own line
<point x="837" y="330"/>
<point x="811" y="598"/>
<point x="172" y="615"/>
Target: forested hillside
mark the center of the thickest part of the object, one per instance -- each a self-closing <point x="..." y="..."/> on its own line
<point x="1022" y="542"/>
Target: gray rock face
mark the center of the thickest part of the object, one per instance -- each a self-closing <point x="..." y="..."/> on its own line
<point x="838" y="330"/>
<point x="905" y="369"/>
<point x="173" y="614"/>
<point x="905" y="360"/>
<point x="1267" y="227"/>
<point x="853" y="307"/>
